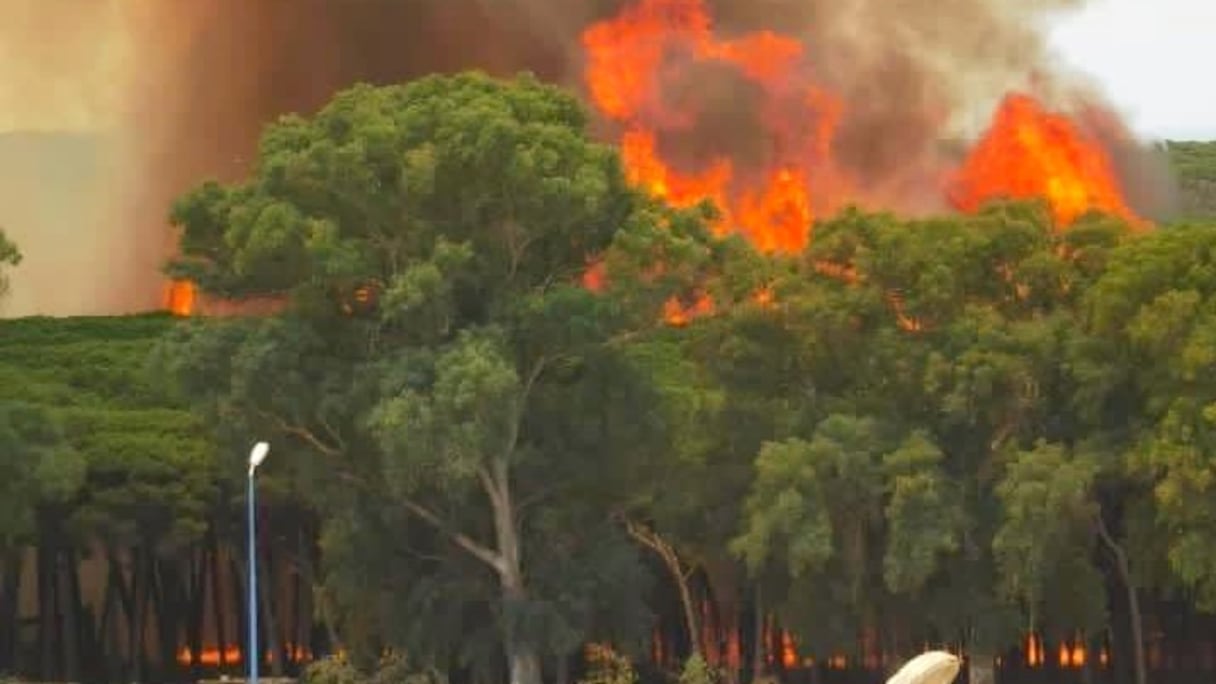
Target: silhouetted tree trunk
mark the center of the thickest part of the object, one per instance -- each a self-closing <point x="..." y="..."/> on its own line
<point x="304" y="580"/>
<point x="108" y="643"/>
<point x="266" y="602"/>
<point x="758" y="645"/>
<point x="197" y="605"/>
<point x="46" y="610"/>
<point x="240" y="598"/>
<point x="168" y="590"/>
<point x="1123" y="567"/>
<point x="68" y="600"/>
<point x="141" y="591"/>
<point x="9" y="602"/>
<point x="215" y="570"/>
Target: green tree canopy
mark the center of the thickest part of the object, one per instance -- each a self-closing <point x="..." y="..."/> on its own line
<point x="929" y="351"/>
<point x="440" y="374"/>
<point x="1155" y="311"/>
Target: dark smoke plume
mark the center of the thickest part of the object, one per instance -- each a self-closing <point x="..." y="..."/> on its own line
<point x="193" y="82"/>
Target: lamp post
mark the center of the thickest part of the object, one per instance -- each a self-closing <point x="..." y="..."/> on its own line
<point x="256" y="456"/>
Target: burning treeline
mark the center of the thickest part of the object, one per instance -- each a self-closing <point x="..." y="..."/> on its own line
<point x="781" y="111"/>
<point x="749" y="119"/>
<point x="750" y="122"/>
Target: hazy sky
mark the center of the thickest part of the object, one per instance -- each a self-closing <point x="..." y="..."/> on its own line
<point x="1152" y="57"/>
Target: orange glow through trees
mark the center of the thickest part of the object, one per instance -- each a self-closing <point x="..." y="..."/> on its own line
<point x="179" y="297"/>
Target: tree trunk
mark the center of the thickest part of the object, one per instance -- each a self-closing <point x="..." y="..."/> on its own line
<point x="125" y="594"/>
<point x="9" y="601"/>
<point x="266" y="601"/>
<point x="240" y="575"/>
<point x="1133" y="599"/>
<point x="105" y="628"/>
<point x="140" y="593"/>
<point x="1089" y="675"/>
<point x="46" y="611"/>
<point x="304" y="607"/>
<point x="523" y="660"/>
<point x="215" y="571"/>
<point x="671" y="560"/>
<point x="980" y="669"/>
<point x="758" y="669"/>
<point x="69" y="606"/>
<point x="197" y="600"/>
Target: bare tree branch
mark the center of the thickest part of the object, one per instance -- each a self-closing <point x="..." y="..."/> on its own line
<point x="475" y="549"/>
<point x="302" y="433"/>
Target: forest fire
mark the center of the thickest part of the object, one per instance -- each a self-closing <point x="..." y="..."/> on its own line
<point x="1031" y="153"/>
<point x="645" y="72"/>
<point x="643" y="64"/>
<point x="649" y="71"/>
<point x="179" y="297"/>
<point x="746" y="123"/>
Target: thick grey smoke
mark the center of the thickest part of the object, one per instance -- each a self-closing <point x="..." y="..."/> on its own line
<point x="177" y="92"/>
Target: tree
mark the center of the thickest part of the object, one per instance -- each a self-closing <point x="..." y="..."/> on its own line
<point x="439" y="357"/>
<point x="106" y="461"/>
<point x="10" y="256"/>
<point x="1154" y="310"/>
<point x="935" y="348"/>
<point x="38" y="468"/>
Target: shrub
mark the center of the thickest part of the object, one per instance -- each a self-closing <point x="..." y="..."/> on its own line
<point x="697" y="671"/>
<point x="606" y="666"/>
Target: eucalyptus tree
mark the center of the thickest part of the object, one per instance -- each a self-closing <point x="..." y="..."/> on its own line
<point x="455" y="394"/>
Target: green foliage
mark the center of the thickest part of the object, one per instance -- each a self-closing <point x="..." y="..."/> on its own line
<point x="926" y="351"/>
<point x="37" y="467"/>
<point x="1194" y="165"/>
<point x="606" y="666"/>
<point x="1047" y="529"/>
<point x="332" y="670"/>
<point x="391" y="669"/>
<point x="922" y="426"/>
<point x="438" y="359"/>
<point x="81" y="396"/>
<point x="923" y="511"/>
<point x="697" y="671"/>
<point x="1155" y="308"/>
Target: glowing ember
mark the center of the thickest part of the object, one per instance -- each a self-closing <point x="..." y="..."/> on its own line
<point x="678" y="314"/>
<point x="1031" y="153"/>
<point x="179" y="298"/>
<point x="636" y="61"/>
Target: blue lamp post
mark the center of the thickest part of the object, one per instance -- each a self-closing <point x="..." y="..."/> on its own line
<point x="256" y="456"/>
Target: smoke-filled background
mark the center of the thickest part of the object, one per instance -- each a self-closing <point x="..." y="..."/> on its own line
<point x="109" y="109"/>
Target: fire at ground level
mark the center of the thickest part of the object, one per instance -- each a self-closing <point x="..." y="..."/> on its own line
<point x="71" y="618"/>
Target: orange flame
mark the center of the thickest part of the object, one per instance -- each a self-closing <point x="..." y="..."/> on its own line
<point x="179" y="297"/>
<point x="1028" y="153"/>
<point x="678" y="314"/>
<point x="212" y="656"/>
<point x="628" y="59"/>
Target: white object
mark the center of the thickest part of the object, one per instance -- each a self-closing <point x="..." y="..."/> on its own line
<point x="932" y="667"/>
<point x="257" y="455"/>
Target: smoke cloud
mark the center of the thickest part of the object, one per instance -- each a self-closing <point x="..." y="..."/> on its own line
<point x="160" y="95"/>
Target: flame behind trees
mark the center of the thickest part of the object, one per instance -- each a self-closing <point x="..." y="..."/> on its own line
<point x="764" y="152"/>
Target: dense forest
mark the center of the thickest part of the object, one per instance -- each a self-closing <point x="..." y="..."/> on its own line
<point x="1194" y="165"/>
<point x="517" y="407"/>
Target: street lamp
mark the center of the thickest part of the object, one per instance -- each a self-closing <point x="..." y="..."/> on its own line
<point x="256" y="456"/>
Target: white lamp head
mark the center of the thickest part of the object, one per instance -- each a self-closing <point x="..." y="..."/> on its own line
<point x="932" y="667"/>
<point x="257" y="455"/>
